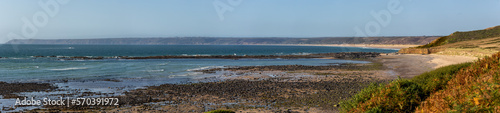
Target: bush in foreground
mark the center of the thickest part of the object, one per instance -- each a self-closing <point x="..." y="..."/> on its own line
<point x="398" y="96"/>
<point x="401" y="95"/>
<point x="474" y="89"/>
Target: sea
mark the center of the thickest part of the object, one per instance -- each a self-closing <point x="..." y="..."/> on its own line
<point x="19" y="64"/>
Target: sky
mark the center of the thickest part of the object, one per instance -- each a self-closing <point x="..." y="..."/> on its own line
<point x="81" y="19"/>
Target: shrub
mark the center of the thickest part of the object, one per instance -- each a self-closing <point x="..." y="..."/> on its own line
<point x="464" y="36"/>
<point x="401" y="95"/>
<point x="473" y="89"/>
<point x="398" y="96"/>
<point x="437" y="79"/>
<point x="361" y="97"/>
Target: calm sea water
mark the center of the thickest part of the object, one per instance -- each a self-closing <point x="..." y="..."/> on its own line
<point x="115" y="76"/>
<point x="18" y="65"/>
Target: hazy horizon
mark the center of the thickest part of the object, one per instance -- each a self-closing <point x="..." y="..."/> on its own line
<point x="91" y="19"/>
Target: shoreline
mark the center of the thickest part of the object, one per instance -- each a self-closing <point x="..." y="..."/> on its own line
<point x="266" y="90"/>
<point x="410" y="65"/>
<point x="377" y="46"/>
<point x="244" y="88"/>
<point x="339" y="55"/>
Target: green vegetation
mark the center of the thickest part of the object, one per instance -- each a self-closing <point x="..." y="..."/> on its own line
<point x="473" y="89"/>
<point x="464" y="36"/>
<point x="467" y="87"/>
<point x="401" y="95"/>
<point x="437" y="79"/>
<point x="477" y="43"/>
<point x="438" y="42"/>
<point x="363" y="96"/>
<point x="220" y="111"/>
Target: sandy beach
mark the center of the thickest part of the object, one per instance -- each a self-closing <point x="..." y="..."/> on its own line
<point x="410" y="65"/>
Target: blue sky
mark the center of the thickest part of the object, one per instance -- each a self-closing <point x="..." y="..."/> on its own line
<point x="79" y="19"/>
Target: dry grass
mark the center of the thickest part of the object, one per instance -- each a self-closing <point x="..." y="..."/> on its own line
<point x="472" y="52"/>
<point x="465" y="37"/>
<point x="477" y="43"/>
<point x="473" y="89"/>
<point x="406" y="95"/>
<point x="476" y="48"/>
<point x="402" y="95"/>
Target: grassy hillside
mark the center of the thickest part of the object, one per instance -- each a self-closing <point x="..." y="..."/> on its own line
<point x="465" y="36"/>
<point x="468" y="87"/>
<point x="478" y="43"/>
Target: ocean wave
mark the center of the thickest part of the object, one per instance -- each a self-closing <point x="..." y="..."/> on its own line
<point x="186" y="74"/>
<point x="182" y="75"/>
<point x="301" y="53"/>
<point x="158" y="70"/>
<point x="59" y="48"/>
<point x="203" y="68"/>
<point x="15" y="58"/>
<point x="70" y="68"/>
<point x="196" y="55"/>
<point x="162" y="64"/>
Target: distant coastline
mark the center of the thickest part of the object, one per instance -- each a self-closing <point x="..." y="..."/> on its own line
<point x="379" y="46"/>
<point x="382" y="46"/>
<point x="330" y="41"/>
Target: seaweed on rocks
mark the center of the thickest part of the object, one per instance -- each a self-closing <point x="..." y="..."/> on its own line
<point x="7" y="89"/>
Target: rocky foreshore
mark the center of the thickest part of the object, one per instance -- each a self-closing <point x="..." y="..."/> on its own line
<point x="342" y="55"/>
<point x="271" y="95"/>
<point x="321" y="92"/>
<point x="287" y="88"/>
<point x="8" y="90"/>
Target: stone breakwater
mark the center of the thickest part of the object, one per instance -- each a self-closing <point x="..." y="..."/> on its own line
<point x="343" y="55"/>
